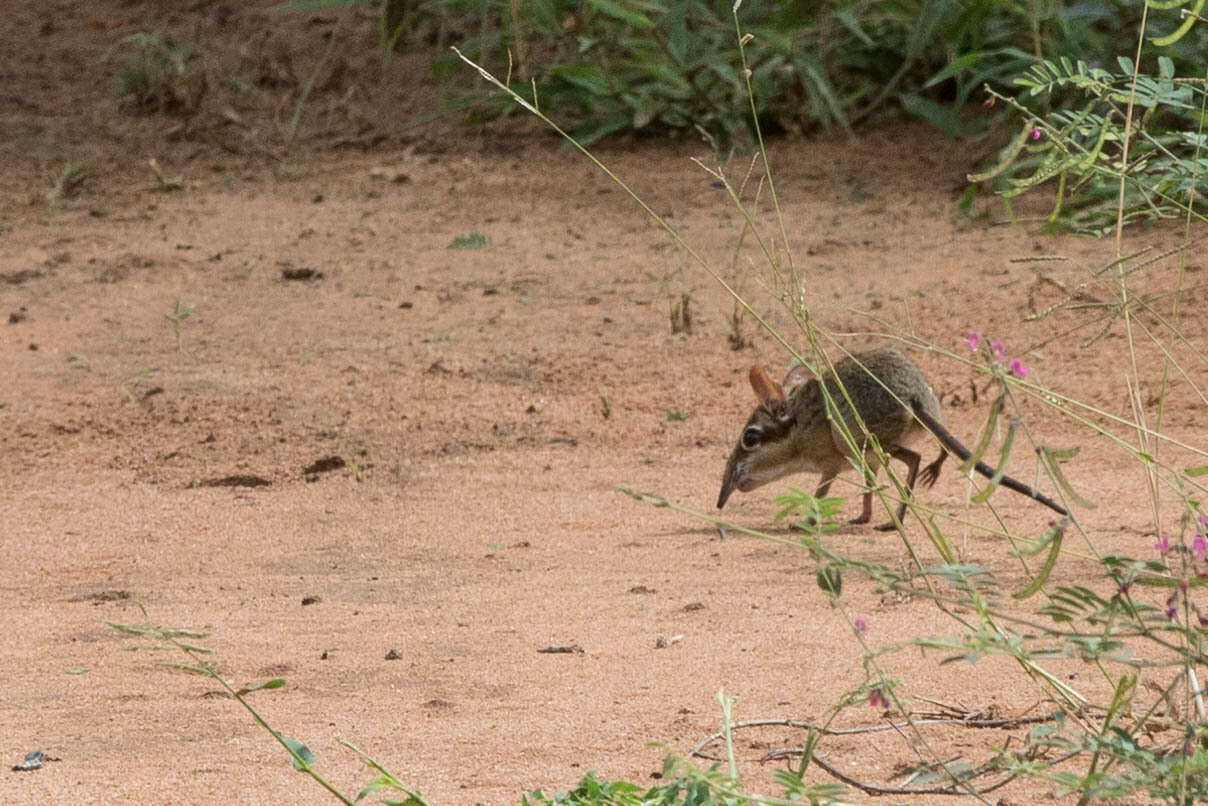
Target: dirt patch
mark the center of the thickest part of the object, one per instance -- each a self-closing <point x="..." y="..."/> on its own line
<point x="392" y="481"/>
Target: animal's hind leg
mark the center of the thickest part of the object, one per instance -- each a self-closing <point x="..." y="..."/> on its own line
<point x="911" y="459"/>
<point x="932" y="471"/>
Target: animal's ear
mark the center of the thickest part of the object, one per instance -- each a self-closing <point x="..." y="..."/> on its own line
<point x="770" y="395"/>
<point x="798" y="377"/>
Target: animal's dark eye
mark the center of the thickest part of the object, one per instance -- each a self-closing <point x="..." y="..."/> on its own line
<point x="751" y="439"/>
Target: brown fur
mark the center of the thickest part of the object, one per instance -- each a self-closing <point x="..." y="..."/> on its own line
<point x="879" y="393"/>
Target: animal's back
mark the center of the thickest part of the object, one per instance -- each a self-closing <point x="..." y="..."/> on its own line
<point x="883" y="402"/>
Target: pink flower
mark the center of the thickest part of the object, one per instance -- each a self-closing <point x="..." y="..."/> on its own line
<point x="1200" y="546"/>
<point x="1171" y="611"/>
<point x="1163" y="545"/>
<point x="1035" y="133"/>
<point x="1017" y="368"/>
<point x="999" y="350"/>
<point x="877" y="700"/>
<point x="861" y="625"/>
<point x="973" y="340"/>
<point x="1202" y="520"/>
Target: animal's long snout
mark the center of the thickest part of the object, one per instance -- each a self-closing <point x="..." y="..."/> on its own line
<point x="728" y="484"/>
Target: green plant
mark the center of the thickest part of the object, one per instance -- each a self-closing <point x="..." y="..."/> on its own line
<point x="689" y="785"/>
<point x="69" y="181"/>
<point x="471" y="240"/>
<point x="176" y="317"/>
<point x="148" y="68"/>
<point x="200" y="662"/>
<point x="1159" y="120"/>
<point x="670" y="66"/>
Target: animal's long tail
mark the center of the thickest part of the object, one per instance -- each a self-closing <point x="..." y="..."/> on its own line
<point x="953" y="444"/>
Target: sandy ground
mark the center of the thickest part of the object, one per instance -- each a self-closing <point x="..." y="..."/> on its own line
<point x="484" y="403"/>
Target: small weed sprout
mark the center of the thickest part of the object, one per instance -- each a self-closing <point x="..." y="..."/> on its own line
<point x="176" y="316"/>
<point x="67" y="184"/>
<point x="471" y="240"/>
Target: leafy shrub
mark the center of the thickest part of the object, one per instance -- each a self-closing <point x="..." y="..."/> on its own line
<point x="1078" y="145"/>
<point x="671" y="66"/>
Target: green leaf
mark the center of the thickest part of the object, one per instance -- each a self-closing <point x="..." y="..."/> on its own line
<point x="590" y="133"/>
<point x="1054" y="535"/>
<point x="584" y="76"/>
<point x="1200" y="470"/>
<point x="1063" y="454"/>
<point x="301" y="751"/>
<point x="620" y="12"/>
<point x="1008" y="443"/>
<point x="1008" y="157"/>
<point x="943" y="117"/>
<point x="830" y="580"/>
<point x="816" y="79"/>
<point x="967" y="199"/>
<point x="987" y="434"/>
<point x="963" y="62"/>
<point x="1126" y="64"/>
<point x="1054" y="468"/>
<point x="851" y="22"/>
<point x="274" y="683"/>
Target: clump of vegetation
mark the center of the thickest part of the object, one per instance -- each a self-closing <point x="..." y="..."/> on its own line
<point x="470" y="240"/>
<point x="68" y="183"/>
<point x="153" y="72"/>
<point x="1077" y="118"/>
<point x="670" y="66"/>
